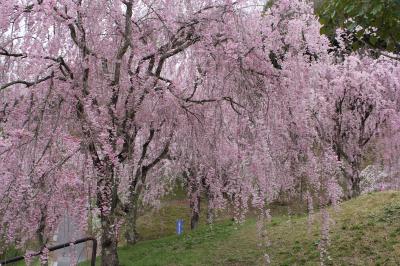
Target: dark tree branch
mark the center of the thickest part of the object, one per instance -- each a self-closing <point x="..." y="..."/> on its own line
<point x="26" y="83"/>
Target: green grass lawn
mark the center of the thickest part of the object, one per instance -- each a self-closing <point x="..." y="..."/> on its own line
<point x="364" y="231"/>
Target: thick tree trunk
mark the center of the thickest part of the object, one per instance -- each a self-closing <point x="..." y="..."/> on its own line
<point x="109" y="244"/>
<point x="355" y="185"/>
<point x="355" y="180"/>
<point x="107" y="202"/>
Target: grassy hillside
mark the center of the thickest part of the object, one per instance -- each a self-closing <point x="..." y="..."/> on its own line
<point x="365" y="231"/>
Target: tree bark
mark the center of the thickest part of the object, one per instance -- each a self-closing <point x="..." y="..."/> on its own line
<point x="195" y="213"/>
<point x="353" y="181"/>
<point x="109" y="244"/>
<point x="107" y="202"/>
<point x="132" y="210"/>
<point x="210" y="209"/>
<point x="42" y="239"/>
<point x="355" y="184"/>
<point x="131" y="234"/>
<point x="194" y="203"/>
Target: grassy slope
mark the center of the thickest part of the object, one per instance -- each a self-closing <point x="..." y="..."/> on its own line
<point x="366" y="231"/>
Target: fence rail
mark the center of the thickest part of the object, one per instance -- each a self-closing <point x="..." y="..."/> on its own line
<point x="60" y="246"/>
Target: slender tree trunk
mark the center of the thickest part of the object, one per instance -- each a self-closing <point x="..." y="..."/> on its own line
<point x="210" y="209"/>
<point x="193" y="187"/>
<point x="195" y="211"/>
<point x="41" y="235"/>
<point x="194" y="202"/>
<point x="131" y="234"/>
